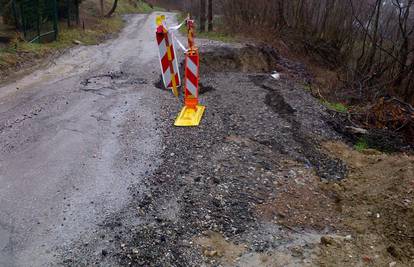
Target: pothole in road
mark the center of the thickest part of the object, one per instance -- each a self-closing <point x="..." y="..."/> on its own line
<point x="97" y="83"/>
<point x="101" y="84"/>
<point x="160" y="84"/>
<point x="202" y="88"/>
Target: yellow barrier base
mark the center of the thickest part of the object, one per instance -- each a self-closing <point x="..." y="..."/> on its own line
<point x="190" y="117"/>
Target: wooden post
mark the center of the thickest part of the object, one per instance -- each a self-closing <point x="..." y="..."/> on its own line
<point x="68" y="9"/>
<point x="102" y="7"/>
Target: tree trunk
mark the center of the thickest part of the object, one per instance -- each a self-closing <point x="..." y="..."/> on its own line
<point x="7" y="13"/>
<point x="101" y="3"/>
<point x="202" y="15"/>
<point x="281" y="20"/>
<point x="210" y="15"/>
<point x="370" y="61"/>
<point x="112" y="9"/>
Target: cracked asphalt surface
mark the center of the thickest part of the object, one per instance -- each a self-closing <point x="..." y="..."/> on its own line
<point x="93" y="173"/>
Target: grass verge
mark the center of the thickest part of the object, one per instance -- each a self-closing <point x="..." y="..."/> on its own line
<point x="339" y="107"/>
<point x="361" y="145"/>
<point x="19" y="54"/>
<point x="216" y="34"/>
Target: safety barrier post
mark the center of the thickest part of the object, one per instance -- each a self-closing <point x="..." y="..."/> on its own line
<point x="192" y="112"/>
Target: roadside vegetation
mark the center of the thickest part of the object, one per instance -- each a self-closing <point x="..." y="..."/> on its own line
<point x="335" y="106"/>
<point x="93" y="28"/>
<point x="361" y="145"/>
<point x="214" y="34"/>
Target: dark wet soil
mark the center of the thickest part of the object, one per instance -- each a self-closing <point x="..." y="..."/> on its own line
<point x="202" y="88"/>
<point x="326" y="167"/>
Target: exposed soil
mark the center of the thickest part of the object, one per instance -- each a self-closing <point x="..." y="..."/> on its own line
<point x="250" y="58"/>
<point x="243" y="58"/>
<point x="376" y="203"/>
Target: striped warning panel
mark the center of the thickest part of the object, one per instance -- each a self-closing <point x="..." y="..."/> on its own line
<point x="168" y="59"/>
<point x="191" y="74"/>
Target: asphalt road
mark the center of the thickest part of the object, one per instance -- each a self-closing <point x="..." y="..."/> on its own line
<point x="73" y="138"/>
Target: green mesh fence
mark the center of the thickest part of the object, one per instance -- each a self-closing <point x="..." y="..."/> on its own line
<point x="36" y="19"/>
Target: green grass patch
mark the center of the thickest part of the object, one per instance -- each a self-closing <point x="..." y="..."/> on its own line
<point x="218" y="36"/>
<point x="335" y="106"/>
<point x="130" y="7"/>
<point x="88" y="36"/>
<point x="361" y="145"/>
<point x="213" y="35"/>
<point x="136" y="6"/>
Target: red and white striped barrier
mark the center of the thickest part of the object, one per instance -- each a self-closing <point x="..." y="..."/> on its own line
<point x="192" y="112"/>
<point x="192" y="63"/>
<point x="168" y="60"/>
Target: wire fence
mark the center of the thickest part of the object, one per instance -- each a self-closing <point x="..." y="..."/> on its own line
<point x="37" y="20"/>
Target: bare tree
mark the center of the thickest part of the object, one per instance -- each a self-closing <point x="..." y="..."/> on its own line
<point x="210" y="15"/>
<point x="373" y="40"/>
<point x="101" y="4"/>
<point x="114" y="6"/>
<point x="202" y="15"/>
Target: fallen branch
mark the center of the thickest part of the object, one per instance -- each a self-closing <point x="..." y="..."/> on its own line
<point x="356" y="130"/>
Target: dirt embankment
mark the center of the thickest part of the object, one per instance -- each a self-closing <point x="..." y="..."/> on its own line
<point x="376" y="201"/>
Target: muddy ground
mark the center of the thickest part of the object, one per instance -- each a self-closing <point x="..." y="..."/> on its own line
<point x="264" y="181"/>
